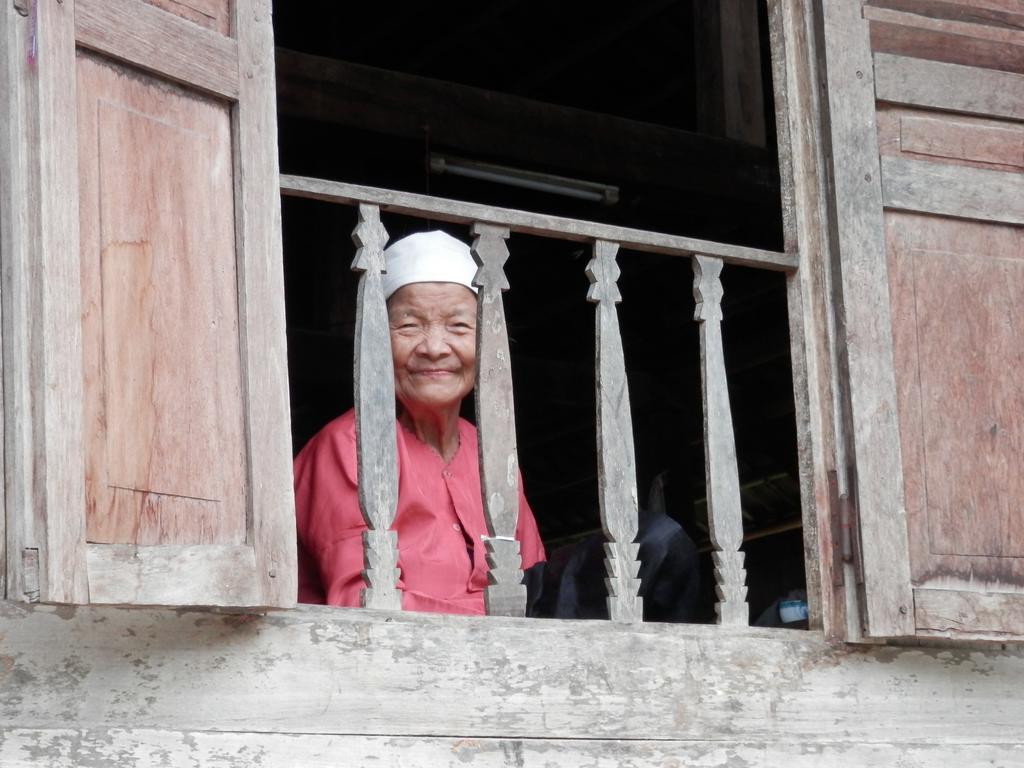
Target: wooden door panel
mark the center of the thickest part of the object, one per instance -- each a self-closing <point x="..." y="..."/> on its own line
<point x="164" y="436"/>
<point x="957" y="292"/>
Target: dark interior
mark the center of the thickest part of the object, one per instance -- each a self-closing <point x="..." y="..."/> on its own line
<point x="625" y="97"/>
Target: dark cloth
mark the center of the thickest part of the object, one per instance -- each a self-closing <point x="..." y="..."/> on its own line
<point x="572" y="582"/>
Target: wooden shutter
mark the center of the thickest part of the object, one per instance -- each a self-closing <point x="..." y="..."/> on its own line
<point x="168" y="475"/>
<point x="927" y="127"/>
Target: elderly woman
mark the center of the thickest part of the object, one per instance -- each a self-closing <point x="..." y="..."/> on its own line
<point x="440" y="519"/>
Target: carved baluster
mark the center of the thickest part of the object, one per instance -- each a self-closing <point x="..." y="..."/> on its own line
<point x="495" y="419"/>
<point x="375" y="416"/>
<point x="616" y="464"/>
<point x="725" y="518"/>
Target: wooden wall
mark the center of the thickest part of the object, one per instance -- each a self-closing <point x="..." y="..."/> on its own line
<point x="106" y="686"/>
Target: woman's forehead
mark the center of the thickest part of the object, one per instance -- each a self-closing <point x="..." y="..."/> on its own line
<point x="432" y="298"/>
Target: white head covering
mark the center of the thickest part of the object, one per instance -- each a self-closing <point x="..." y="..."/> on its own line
<point x="428" y="257"/>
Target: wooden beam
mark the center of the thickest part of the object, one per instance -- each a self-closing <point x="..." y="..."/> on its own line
<point x="521" y="131"/>
<point x="172" y="575"/>
<point x="864" y="314"/>
<point x="727" y="57"/>
<point x="261" y="308"/>
<point x="941" y="44"/>
<point x="813" y="348"/>
<point x="953" y="190"/>
<point x="950" y="17"/>
<point x="955" y="613"/>
<point x="952" y="87"/>
<point x="160" y="42"/>
<point x="322" y="670"/>
<point x="71" y="748"/>
<point x="442" y="209"/>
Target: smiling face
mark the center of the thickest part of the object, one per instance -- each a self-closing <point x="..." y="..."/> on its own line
<point x="433" y="345"/>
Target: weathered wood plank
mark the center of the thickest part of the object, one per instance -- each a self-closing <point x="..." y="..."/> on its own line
<point x="783" y="81"/>
<point x="998" y="13"/>
<point x="616" y="461"/>
<point x="865" y="317"/>
<point x="721" y="472"/>
<point x="55" y="316"/>
<point x="952" y="87"/>
<point x="212" y="14"/>
<point x="956" y="613"/>
<point x="69" y="748"/>
<point x="261" y="307"/>
<point x="811" y="326"/>
<point x="441" y="209"/>
<point x="322" y="670"/>
<point x="953" y="190"/>
<point x="376" y="453"/>
<point x="161" y="42"/>
<point x="125" y="574"/>
<point x="972" y="23"/>
<point x="18" y="139"/>
<point x="496" y="422"/>
<point x="973" y="142"/>
<point x="940" y="45"/>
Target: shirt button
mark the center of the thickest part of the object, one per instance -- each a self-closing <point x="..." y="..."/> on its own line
<point x="455" y="526"/>
<point x="446" y="473"/>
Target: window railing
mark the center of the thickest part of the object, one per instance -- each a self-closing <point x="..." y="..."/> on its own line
<point x="617" y="492"/>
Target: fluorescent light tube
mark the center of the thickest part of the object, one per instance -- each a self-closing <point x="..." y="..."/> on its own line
<point x="516" y="177"/>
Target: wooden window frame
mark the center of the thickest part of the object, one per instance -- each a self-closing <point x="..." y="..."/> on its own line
<point x="824" y="196"/>
<point x="806" y="260"/>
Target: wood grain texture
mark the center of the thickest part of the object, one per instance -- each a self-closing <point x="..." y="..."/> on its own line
<point x="18" y="142"/>
<point x="140" y="34"/>
<point x="941" y="45"/>
<point x="496" y="423"/>
<point x="376" y="452"/>
<point x="730" y="93"/>
<point x="165" y="459"/>
<point x="721" y="472"/>
<point x="950" y="613"/>
<point x="261" y="302"/>
<point x="951" y="18"/>
<point x="212" y="14"/>
<point x="125" y="574"/>
<point x="540" y="224"/>
<point x="957" y="292"/>
<point x="950" y="190"/>
<point x="1005" y="13"/>
<point x="55" y="315"/>
<point x="616" y="461"/>
<point x="70" y="748"/>
<point x="864" y="318"/>
<point x="952" y="87"/>
<point x="811" y="326"/>
<point x="331" y="671"/>
<point x="963" y="141"/>
<point x="954" y="139"/>
<point x="784" y="78"/>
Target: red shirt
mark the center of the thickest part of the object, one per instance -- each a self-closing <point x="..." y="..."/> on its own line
<point x="439" y="521"/>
